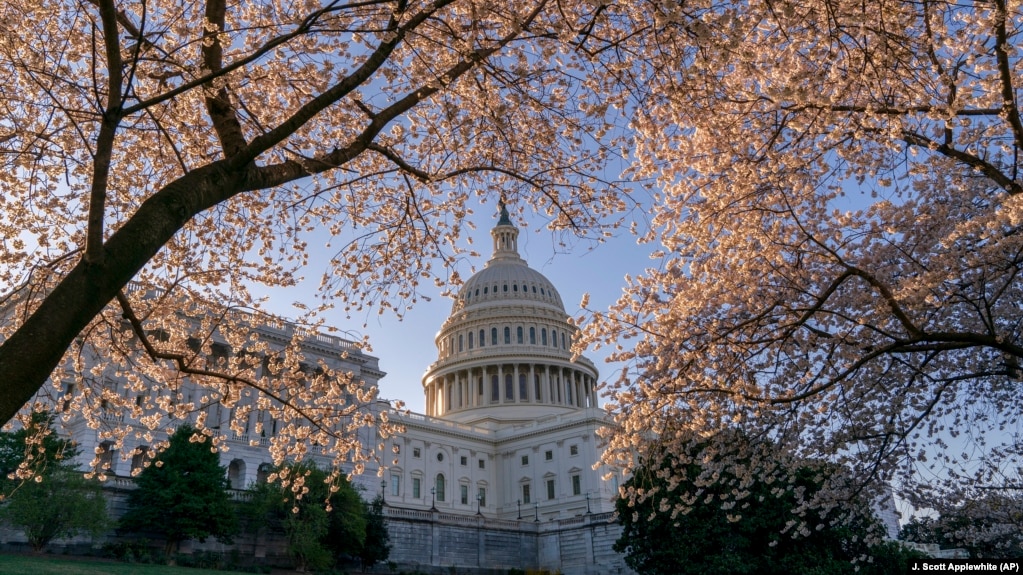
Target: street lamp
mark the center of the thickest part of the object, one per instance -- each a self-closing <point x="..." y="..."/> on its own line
<point x="479" y="503"/>
<point x="433" y="498"/>
<point x="383" y="490"/>
<point x="536" y="512"/>
<point x="518" y="503"/>
<point x="587" y="503"/>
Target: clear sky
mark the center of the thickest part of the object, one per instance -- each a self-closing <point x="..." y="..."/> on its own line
<point x="406" y="348"/>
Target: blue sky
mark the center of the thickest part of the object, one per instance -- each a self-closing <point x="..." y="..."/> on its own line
<point x="406" y="348"/>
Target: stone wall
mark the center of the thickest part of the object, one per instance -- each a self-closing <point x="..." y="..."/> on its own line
<point x="435" y="543"/>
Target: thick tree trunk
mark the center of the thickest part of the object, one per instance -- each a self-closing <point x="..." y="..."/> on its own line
<point x="29" y="356"/>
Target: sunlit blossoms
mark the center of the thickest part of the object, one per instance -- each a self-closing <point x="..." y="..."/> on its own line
<point x="200" y="150"/>
<point x="837" y="225"/>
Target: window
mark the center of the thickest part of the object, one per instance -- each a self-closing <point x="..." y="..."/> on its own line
<point x="518" y="334"/>
<point x="395" y="484"/>
<point x="483" y="338"/>
<point x="483" y="464"/>
<point x="416" y="488"/>
<point x="495" y="388"/>
<point x="543" y="336"/>
<point x="440" y="486"/>
<point x="463" y="494"/>
<point x="440" y="456"/>
<point x="548" y="455"/>
<point x="464" y="461"/>
<point x="493" y="336"/>
<point x="525" y="460"/>
<point x="573" y="450"/>
<point x="460" y="342"/>
<point x="416" y="452"/>
<point x="525" y="493"/>
<point x="481" y="496"/>
<point x="509" y="388"/>
<point x="507" y="334"/>
<point x="470" y="340"/>
<point x="554" y="338"/>
<point x="577" y="488"/>
<point x="550" y="489"/>
<point x="522" y="387"/>
<point x="532" y="336"/>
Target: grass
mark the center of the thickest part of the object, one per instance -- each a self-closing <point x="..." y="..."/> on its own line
<point x="51" y="565"/>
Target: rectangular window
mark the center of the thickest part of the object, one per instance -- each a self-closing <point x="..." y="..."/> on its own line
<point x="548" y="455"/>
<point x="525" y="493"/>
<point x="550" y="489"/>
<point x="395" y="484"/>
<point x="481" y="496"/>
<point x="525" y="460"/>
<point x="464" y="460"/>
<point x="463" y="491"/>
<point x="577" y="487"/>
<point x="573" y="450"/>
<point x="415" y="488"/>
<point x="416" y="452"/>
<point x="483" y="464"/>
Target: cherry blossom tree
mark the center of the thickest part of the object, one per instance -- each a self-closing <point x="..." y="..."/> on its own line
<point x="837" y="220"/>
<point x="158" y="160"/>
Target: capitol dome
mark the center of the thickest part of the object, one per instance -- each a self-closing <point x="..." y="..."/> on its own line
<point x="504" y="352"/>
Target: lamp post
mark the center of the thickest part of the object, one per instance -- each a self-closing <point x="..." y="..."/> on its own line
<point x="536" y="512"/>
<point x="479" y="503"/>
<point x="433" y="498"/>
<point x="383" y="490"/>
<point x="587" y="503"/>
<point x="518" y="503"/>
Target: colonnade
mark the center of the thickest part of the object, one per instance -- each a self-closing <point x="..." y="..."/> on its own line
<point x="510" y="384"/>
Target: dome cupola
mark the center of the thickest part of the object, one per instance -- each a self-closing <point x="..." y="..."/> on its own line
<point x="504" y="352"/>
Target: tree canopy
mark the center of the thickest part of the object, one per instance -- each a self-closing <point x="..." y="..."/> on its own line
<point x="681" y="515"/>
<point x="199" y="149"/>
<point x="837" y="217"/>
<point x="182" y="494"/>
<point x="830" y="189"/>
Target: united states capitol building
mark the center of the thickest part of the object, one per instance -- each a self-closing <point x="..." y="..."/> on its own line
<point x="500" y="472"/>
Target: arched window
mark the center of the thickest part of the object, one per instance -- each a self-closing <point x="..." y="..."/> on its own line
<point x="495" y="388"/>
<point x="563" y="346"/>
<point x="440" y="487"/>
<point x="483" y="338"/>
<point x="532" y="336"/>
<point x="543" y="336"/>
<point x="522" y="387"/>
<point x="518" y="334"/>
<point x="507" y="335"/>
<point x="493" y="336"/>
<point x="459" y="342"/>
<point x="536" y="387"/>
<point x="509" y="388"/>
<point x="554" y="338"/>
<point x="470" y="340"/>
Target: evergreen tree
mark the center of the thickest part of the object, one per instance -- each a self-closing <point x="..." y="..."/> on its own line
<point x="377" y="547"/>
<point x="47" y="497"/>
<point x="322" y="518"/>
<point x="693" y="516"/>
<point x="182" y="495"/>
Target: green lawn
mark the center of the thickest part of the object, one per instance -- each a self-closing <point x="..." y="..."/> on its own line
<point x="53" y="565"/>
